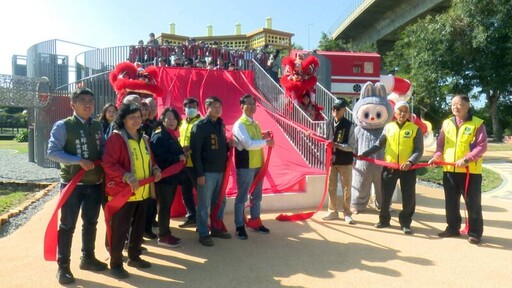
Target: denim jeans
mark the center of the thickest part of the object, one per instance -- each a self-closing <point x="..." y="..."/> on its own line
<point x="88" y="198"/>
<point x="207" y="197"/>
<point x="244" y="178"/>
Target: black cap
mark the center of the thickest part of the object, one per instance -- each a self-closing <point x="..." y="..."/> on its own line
<point x="340" y="103"/>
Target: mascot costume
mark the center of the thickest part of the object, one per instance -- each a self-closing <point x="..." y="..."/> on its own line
<point x="371" y="113"/>
<point x="299" y="79"/>
<point x="129" y="78"/>
<point x="400" y="89"/>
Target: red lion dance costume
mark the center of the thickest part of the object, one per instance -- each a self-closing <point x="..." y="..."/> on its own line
<point x="299" y="76"/>
<point x="128" y="78"/>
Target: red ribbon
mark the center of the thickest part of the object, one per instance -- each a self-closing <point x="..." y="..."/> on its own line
<point x="51" y="233"/>
<point x="114" y="204"/>
<point x="256" y="223"/>
<point x="420" y="165"/>
<point x="306" y="215"/>
<point x="214" y="220"/>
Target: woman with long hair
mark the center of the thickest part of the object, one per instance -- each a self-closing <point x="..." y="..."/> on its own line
<point x="108" y="114"/>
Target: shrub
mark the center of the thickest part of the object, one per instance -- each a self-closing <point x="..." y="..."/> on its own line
<point x="22" y="136"/>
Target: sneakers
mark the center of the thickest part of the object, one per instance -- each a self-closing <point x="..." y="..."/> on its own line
<point x="473" y="239"/>
<point x="381" y="225"/>
<point x="240" y="233"/>
<point x="262" y="230"/>
<point x="150" y="235"/>
<point x="92" y="264"/>
<point x="407" y="230"/>
<point x="119" y="273"/>
<point x="206" y="240"/>
<point x="188" y="223"/>
<point x="220" y="234"/>
<point x="138" y="263"/>
<point x="449" y="233"/>
<point x="169" y="241"/>
<point x="331" y="216"/>
<point x="349" y="220"/>
<point x="64" y="275"/>
<point x="354" y="210"/>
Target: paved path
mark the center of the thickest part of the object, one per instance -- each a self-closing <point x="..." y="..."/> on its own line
<point x="312" y="253"/>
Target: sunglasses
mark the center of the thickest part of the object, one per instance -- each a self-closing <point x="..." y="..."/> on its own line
<point x="336" y="108"/>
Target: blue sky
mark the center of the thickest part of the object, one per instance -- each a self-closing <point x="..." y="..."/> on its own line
<point x="101" y="23"/>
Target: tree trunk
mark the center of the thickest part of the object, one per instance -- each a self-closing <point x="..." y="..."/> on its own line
<point x="492" y="98"/>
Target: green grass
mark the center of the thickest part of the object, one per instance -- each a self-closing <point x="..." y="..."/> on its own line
<point x="10" y="199"/>
<point x="490" y="179"/>
<point x="13" y="145"/>
<point x="499" y="147"/>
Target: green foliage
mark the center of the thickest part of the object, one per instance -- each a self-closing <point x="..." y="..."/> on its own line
<point x="490" y="179"/>
<point x="466" y="47"/>
<point x="22" y="136"/>
<point x="296" y="46"/>
<point x="328" y="44"/>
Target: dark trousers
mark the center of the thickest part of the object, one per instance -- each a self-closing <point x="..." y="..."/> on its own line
<point x="165" y="195"/>
<point x="454" y="185"/>
<point x="408" y="187"/>
<point x="188" y="183"/>
<point x="151" y="212"/>
<point x="131" y="215"/>
<point x="87" y="198"/>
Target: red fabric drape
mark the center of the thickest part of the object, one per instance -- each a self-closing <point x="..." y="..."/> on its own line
<point x="229" y="86"/>
<point x="50" y="234"/>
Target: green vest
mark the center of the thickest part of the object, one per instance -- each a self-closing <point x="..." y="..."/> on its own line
<point x="399" y="142"/>
<point x="457" y="143"/>
<point x="250" y="158"/>
<point x="185" y="129"/>
<point x="84" y="141"/>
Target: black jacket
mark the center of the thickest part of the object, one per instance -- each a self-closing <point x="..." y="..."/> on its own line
<point x="209" y="146"/>
<point x="166" y="150"/>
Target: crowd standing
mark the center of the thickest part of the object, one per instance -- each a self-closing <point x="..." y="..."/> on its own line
<point x="134" y="144"/>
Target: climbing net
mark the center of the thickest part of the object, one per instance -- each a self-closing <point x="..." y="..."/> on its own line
<point x="21" y="91"/>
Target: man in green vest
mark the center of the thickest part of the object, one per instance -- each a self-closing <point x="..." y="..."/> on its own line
<point x="76" y="142"/>
<point x="463" y="141"/>
<point x="403" y="142"/>
<point x="249" y="144"/>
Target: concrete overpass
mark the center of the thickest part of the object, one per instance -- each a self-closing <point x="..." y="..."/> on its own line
<point x="379" y="21"/>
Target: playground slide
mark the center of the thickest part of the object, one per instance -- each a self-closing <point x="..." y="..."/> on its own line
<point x="287" y="168"/>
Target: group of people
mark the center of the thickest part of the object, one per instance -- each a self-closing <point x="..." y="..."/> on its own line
<point x="461" y="144"/>
<point x="133" y="146"/>
<point x="200" y="54"/>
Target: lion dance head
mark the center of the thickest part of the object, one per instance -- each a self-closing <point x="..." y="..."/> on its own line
<point x="129" y="78"/>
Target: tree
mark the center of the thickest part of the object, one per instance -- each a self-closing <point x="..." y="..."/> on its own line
<point x="464" y="49"/>
<point x="328" y="44"/>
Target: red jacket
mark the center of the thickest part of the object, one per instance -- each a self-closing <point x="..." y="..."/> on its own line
<point x="117" y="164"/>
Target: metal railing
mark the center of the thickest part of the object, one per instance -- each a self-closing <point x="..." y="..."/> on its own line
<point x="276" y="102"/>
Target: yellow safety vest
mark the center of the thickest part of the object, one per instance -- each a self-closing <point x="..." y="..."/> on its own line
<point x="457" y="143"/>
<point x="141" y="165"/>
<point x="185" y="129"/>
<point x="400" y="142"/>
<point x="254" y="131"/>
